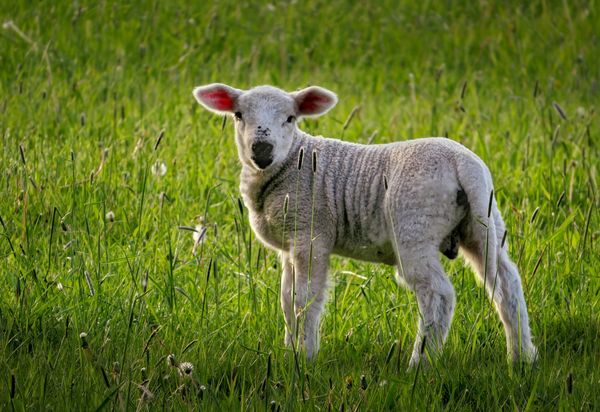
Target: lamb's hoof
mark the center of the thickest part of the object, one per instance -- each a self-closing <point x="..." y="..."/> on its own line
<point x="311" y="354"/>
<point x="528" y="356"/>
<point x="418" y="361"/>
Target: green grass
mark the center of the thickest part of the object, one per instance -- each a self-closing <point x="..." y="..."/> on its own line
<point x="80" y="79"/>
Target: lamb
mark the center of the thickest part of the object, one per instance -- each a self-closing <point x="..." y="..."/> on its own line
<point x="399" y="204"/>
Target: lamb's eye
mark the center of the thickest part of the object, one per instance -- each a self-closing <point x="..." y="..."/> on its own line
<point x="238" y="115"/>
<point x="290" y="119"/>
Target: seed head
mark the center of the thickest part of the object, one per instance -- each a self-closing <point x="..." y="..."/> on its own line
<point x="160" y="136"/>
<point x="198" y="234"/>
<point x="349" y="382"/>
<point x="88" y="280"/>
<point x="159" y="168"/>
<point x="300" y="158"/>
<point x="363" y="382"/>
<point x="286" y="202"/>
<point x="559" y="110"/>
<point x="83" y="339"/>
<point x="172" y="361"/>
<point x="145" y="281"/>
<point x="186" y="369"/>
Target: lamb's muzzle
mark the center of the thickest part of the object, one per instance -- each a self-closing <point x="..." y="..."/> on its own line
<point x="262" y="154"/>
<point x="400" y="204"/>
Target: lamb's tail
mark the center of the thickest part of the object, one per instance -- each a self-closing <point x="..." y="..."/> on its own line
<point x="483" y="244"/>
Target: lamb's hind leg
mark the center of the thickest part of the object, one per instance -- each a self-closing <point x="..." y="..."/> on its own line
<point x="502" y="282"/>
<point x="421" y="271"/>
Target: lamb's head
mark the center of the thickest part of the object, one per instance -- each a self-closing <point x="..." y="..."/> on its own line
<point x="265" y="117"/>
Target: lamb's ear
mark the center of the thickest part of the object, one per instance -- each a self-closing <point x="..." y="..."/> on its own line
<point x="217" y="97"/>
<point x="314" y="101"/>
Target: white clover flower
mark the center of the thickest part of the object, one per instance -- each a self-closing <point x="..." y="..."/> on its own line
<point x="110" y="216"/>
<point x="159" y="168"/>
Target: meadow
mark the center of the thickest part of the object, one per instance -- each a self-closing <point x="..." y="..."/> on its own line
<point x="131" y="278"/>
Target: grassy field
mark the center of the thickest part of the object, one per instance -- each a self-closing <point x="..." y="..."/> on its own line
<point x="107" y="161"/>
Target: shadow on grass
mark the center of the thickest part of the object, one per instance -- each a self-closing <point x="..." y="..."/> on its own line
<point x="570" y="337"/>
<point x="564" y="376"/>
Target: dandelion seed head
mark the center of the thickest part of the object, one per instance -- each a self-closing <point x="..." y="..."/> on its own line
<point x="159" y="168"/>
<point x="186" y="369"/>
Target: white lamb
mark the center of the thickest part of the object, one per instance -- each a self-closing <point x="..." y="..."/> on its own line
<point x="400" y="204"/>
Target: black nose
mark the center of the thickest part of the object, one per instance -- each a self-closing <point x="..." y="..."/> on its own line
<point x="262" y="154"/>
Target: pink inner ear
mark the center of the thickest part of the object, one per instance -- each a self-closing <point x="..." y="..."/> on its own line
<point x="218" y="99"/>
<point x="313" y="103"/>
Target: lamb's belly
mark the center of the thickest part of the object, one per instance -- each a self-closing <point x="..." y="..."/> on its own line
<point x="378" y="253"/>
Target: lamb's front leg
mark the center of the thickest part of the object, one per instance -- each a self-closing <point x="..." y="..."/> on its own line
<point x="310" y="268"/>
<point x="287" y="302"/>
